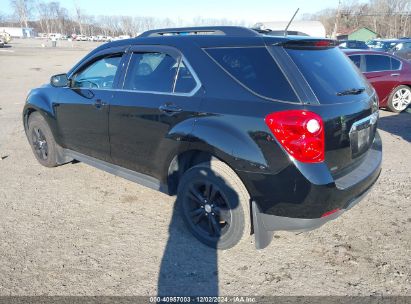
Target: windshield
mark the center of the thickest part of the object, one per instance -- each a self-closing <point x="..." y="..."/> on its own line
<point x="330" y="74"/>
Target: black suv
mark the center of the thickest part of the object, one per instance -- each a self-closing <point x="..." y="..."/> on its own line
<point x="253" y="133"/>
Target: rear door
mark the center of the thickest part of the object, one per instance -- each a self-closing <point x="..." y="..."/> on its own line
<point x="153" y="112"/>
<point x="82" y="108"/>
<point x="382" y="72"/>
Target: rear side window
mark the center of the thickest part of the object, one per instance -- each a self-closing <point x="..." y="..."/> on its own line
<point x="151" y="72"/>
<point x="395" y="64"/>
<point x="256" y="70"/>
<point x="375" y="63"/>
<point x="185" y="82"/>
<point x="329" y="73"/>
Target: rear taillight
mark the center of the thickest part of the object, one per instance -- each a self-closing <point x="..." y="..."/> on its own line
<point x="301" y="133"/>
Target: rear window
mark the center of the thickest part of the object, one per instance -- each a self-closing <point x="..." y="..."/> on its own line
<point x="256" y="70"/>
<point x="329" y="72"/>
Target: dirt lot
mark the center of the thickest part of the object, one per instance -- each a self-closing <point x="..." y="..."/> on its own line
<point x="75" y="230"/>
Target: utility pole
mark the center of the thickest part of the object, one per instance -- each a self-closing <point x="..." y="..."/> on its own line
<point x="337" y="19"/>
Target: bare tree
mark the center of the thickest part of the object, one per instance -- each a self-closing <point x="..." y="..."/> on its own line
<point x="79" y="16"/>
<point x="388" y="18"/>
<point x="22" y="9"/>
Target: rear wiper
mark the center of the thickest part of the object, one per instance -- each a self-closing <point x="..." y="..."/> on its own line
<point x="351" y="92"/>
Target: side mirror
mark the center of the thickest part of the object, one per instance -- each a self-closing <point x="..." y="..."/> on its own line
<point x="60" y="81"/>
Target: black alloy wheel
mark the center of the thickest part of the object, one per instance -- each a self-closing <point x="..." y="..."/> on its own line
<point x="39" y="143"/>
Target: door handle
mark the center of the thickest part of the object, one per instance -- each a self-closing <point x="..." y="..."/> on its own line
<point x="98" y="103"/>
<point x="395" y="74"/>
<point x="170" y="109"/>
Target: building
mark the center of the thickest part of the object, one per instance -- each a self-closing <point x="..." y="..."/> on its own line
<point x="19" y="32"/>
<point x="310" y="28"/>
<point x="361" y="34"/>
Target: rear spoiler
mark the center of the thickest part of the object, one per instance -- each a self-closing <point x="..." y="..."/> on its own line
<point x="309" y="44"/>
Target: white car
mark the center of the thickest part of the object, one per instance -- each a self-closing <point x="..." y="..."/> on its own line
<point x="81" y="38"/>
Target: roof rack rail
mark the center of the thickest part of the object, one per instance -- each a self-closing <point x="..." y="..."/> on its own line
<point x="202" y="30"/>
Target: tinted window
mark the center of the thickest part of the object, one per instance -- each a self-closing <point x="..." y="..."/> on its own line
<point x="328" y="72"/>
<point x="154" y="72"/>
<point x="99" y="75"/>
<point x="395" y="64"/>
<point x="356" y="59"/>
<point x="377" y="63"/>
<point x="185" y="80"/>
<point x="255" y="69"/>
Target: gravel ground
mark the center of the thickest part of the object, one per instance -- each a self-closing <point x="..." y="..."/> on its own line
<point x="75" y="230"/>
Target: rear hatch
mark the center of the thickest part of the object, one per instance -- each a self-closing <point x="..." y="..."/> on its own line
<point x="329" y="84"/>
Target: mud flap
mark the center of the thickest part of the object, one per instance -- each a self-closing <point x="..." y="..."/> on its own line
<point x="263" y="237"/>
<point x="62" y="157"/>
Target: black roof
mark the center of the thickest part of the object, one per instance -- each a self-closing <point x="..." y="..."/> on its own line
<point x="209" y="36"/>
<point x="205" y="37"/>
<point x="238" y="31"/>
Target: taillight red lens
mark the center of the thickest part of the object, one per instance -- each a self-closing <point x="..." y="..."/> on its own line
<point x="301" y="133"/>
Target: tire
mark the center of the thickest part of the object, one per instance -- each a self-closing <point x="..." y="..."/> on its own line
<point x="215" y="205"/>
<point x="42" y="141"/>
<point x="399" y="99"/>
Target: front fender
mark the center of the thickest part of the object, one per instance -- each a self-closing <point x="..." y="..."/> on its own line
<point x="41" y="101"/>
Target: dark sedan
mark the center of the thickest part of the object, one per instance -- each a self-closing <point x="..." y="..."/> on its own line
<point x="389" y="74"/>
<point x="403" y="49"/>
<point x="353" y="44"/>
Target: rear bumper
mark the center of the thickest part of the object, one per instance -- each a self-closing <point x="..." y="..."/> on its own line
<point x="266" y="224"/>
<point x="314" y="197"/>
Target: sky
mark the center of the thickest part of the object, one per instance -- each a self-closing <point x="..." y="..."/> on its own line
<point x="247" y="10"/>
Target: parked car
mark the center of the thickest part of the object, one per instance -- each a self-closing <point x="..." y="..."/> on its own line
<point x="1" y="43"/>
<point x="402" y="49"/>
<point x="101" y="38"/>
<point x="353" y="44"/>
<point x="121" y="37"/>
<point x="81" y="38"/>
<point x="254" y="133"/>
<point x="383" y="45"/>
<point x="6" y="37"/>
<point x="390" y="76"/>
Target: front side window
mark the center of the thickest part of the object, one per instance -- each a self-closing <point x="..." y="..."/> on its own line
<point x="152" y="72"/>
<point x="98" y="75"/>
<point x="377" y="63"/>
<point x="256" y="70"/>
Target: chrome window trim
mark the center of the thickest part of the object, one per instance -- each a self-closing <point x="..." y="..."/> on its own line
<point x="188" y="66"/>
